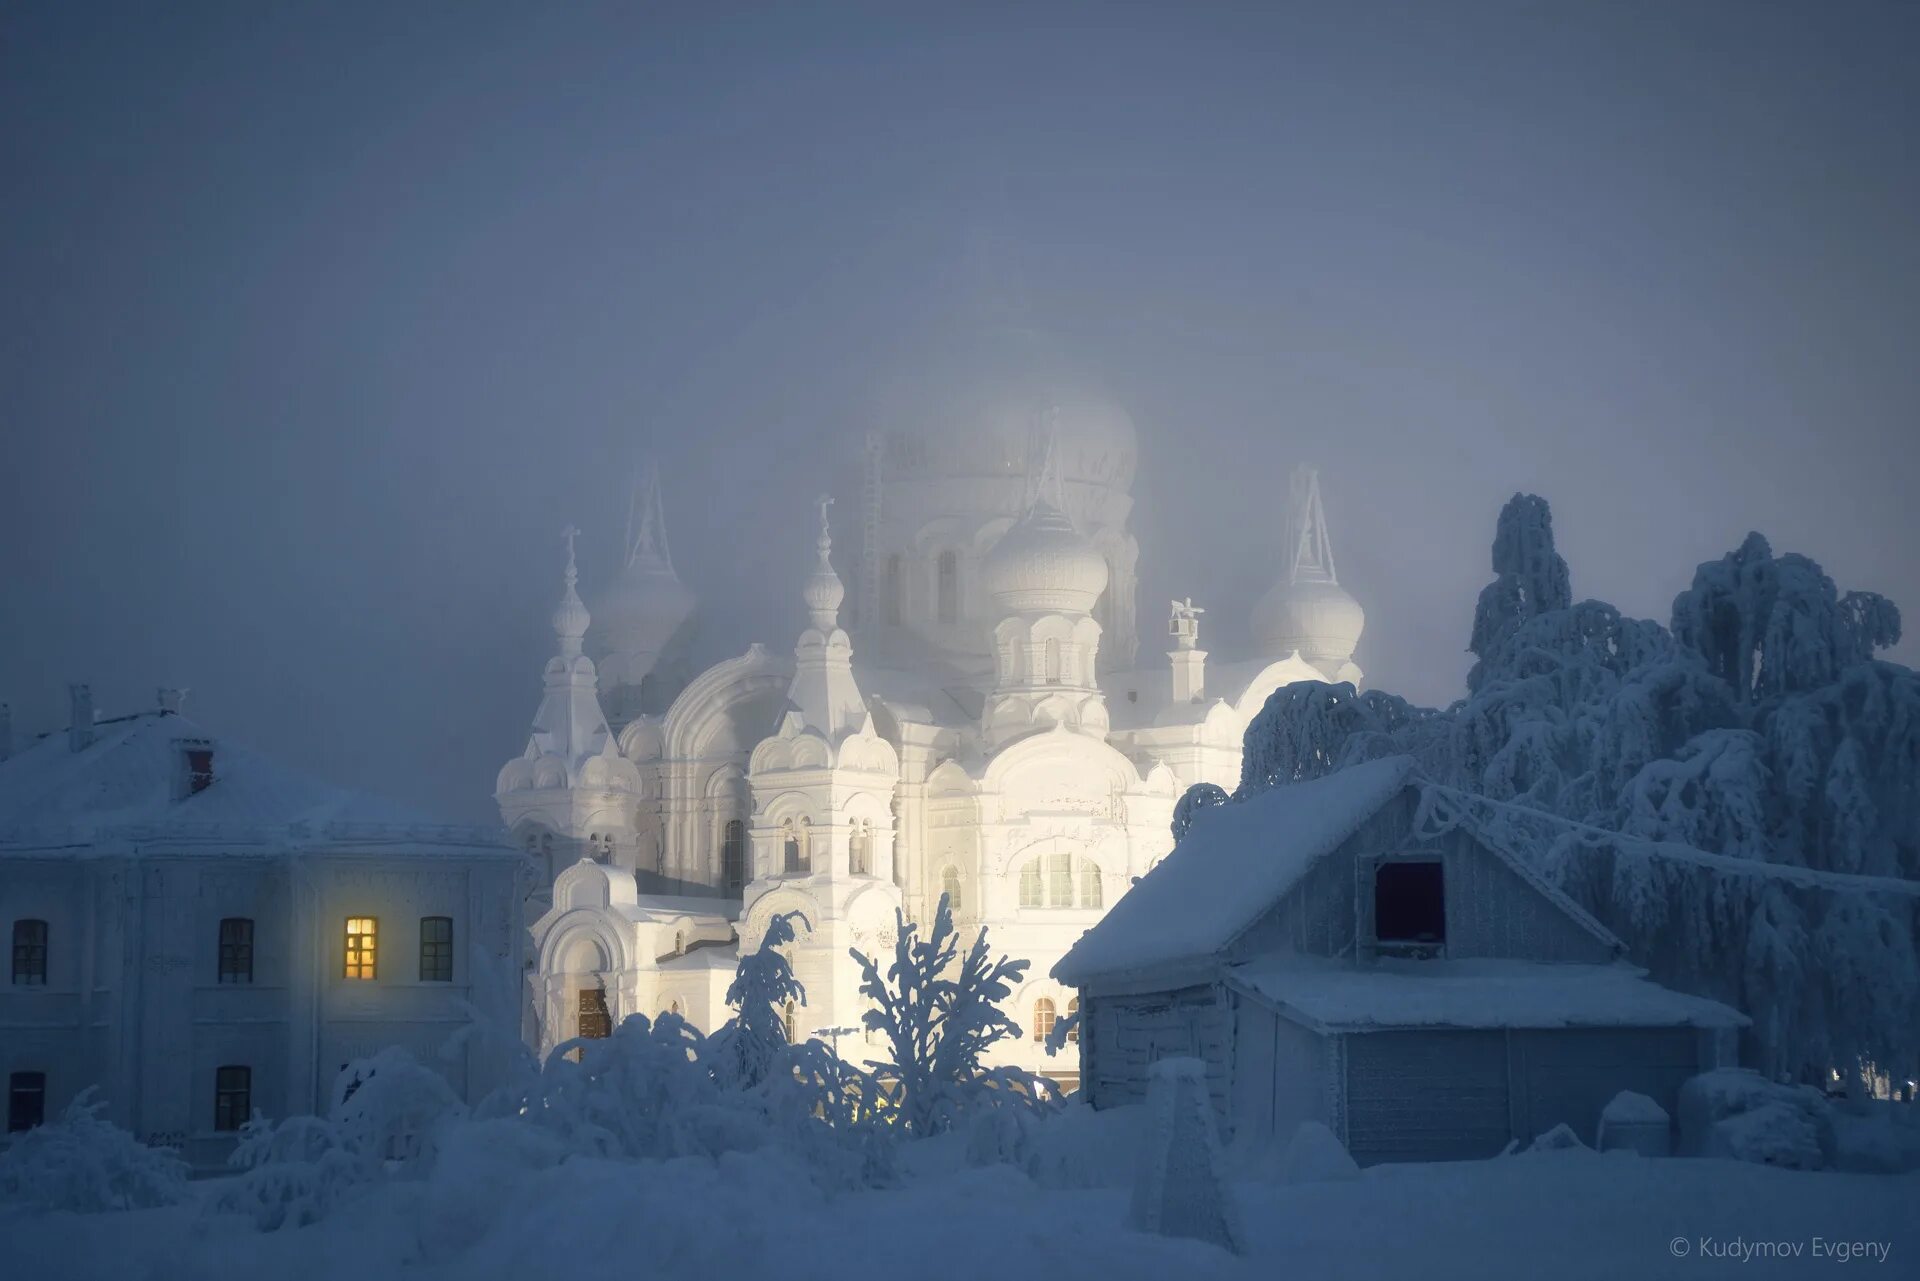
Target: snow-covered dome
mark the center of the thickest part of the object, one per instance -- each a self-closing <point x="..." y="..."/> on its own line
<point x="973" y="406"/>
<point x="1044" y="563"/>
<point x="1321" y="620"/>
<point x="570" y="616"/>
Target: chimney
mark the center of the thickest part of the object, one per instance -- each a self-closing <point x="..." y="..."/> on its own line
<point x="79" y="717"/>
<point x="172" y="700"/>
<point x="1189" y="662"/>
<point x="6" y="731"/>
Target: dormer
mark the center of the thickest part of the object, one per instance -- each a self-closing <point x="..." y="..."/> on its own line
<point x="193" y="766"/>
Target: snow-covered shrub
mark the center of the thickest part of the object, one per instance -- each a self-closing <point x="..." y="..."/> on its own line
<point x="389" y="1116"/>
<point x="294" y="1172"/>
<point x="86" y="1164"/>
<point x="1180" y="1187"/>
<point x="1733" y="1112"/>
<point x="390" y="1108"/>
<point x="939" y="1021"/>
<point x="1560" y="1138"/>
<point x="1771" y="1134"/>
<point x="1635" y="1123"/>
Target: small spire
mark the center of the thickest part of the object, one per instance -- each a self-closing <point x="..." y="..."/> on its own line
<point x="1310" y="551"/>
<point x="1047" y="486"/>
<point x="570" y="617"/>
<point x="824" y="590"/>
<point x="647" y="521"/>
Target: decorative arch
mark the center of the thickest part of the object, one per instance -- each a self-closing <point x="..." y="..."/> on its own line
<point x="727" y="708"/>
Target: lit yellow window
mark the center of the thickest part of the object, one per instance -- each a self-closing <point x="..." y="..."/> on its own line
<point x="362" y="934"/>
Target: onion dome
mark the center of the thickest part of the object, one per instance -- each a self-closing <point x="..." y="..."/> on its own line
<point x="570" y="616"/>
<point x="1307" y="611"/>
<point x="824" y="591"/>
<point x="1319" y="619"/>
<point x="644" y="607"/>
<point x="1044" y="564"/>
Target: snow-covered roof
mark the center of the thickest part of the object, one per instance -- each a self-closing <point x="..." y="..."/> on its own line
<point x="668" y="906"/>
<point x="128" y="781"/>
<point x="1235" y="862"/>
<point x="1334" y="996"/>
<point x="711" y="956"/>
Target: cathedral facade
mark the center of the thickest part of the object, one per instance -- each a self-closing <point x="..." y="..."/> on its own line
<point x="970" y="718"/>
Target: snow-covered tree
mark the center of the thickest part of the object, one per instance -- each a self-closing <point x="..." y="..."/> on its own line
<point x="1758" y="727"/>
<point x="85" y="1163"/>
<point x="1530" y="578"/>
<point x="939" y="1011"/>
<point x="743" y="1050"/>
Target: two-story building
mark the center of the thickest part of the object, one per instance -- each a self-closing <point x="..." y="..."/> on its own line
<point x="203" y="933"/>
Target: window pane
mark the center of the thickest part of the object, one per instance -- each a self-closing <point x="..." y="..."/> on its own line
<point x="362" y="933"/>
<point x="30" y="953"/>
<point x="232" y="1097"/>
<point x="1089" y="883"/>
<point x="436" y="949"/>
<point x="26" y="1100"/>
<point x="1059" y="880"/>
<point x="236" y="950"/>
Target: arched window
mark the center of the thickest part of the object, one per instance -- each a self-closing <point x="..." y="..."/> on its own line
<point x="679" y="942"/>
<point x="890" y="592"/>
<point x="949" y="593"/>
<point x="797" y="842"/>
<point x="733" y="855"/>
<point x="1044" y="1018"/>
<point x="1053" y="661"/>
<point x="1073" y="1033"/>
<point x="786" y="1021"/>
<point x="1032" y="892"/>
<point x="1061" y="878"/>
<point x="860" y="849"/>
<point x="674" y="1010"/>
<point x="950" y="886"/>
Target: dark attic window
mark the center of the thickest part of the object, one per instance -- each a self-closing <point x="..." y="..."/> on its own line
<point x="196" y="767"/>
<point x="1410" y="907"/>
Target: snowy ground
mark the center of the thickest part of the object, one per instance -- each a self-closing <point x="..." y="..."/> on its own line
<point x="1539" y="1215"/>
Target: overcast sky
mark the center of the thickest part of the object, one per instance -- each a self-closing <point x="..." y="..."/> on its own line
<point x="316" y="325"/>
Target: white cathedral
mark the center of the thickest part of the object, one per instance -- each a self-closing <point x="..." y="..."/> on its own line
<point x="984" y="731"/>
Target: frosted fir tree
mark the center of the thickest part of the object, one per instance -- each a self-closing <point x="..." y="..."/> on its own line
<point x="744" y="1050"/>
<point x="1530" y="578"/>
<point x="939" y="1011"/>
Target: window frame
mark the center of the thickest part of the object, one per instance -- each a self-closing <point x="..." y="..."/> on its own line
<point x="227" y="1117"/>
<point x="30" y="955"/>
<point x="1045" y="1015"/>
<point x="22" y="1084"/>
<point x="442" y="960"/>
<point x="733" y="855"/>
<point x="229" y="969"/>
<point x="946" y="576"/>
<point x="1400" y="944"/>
<point x="367" y="957"/>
